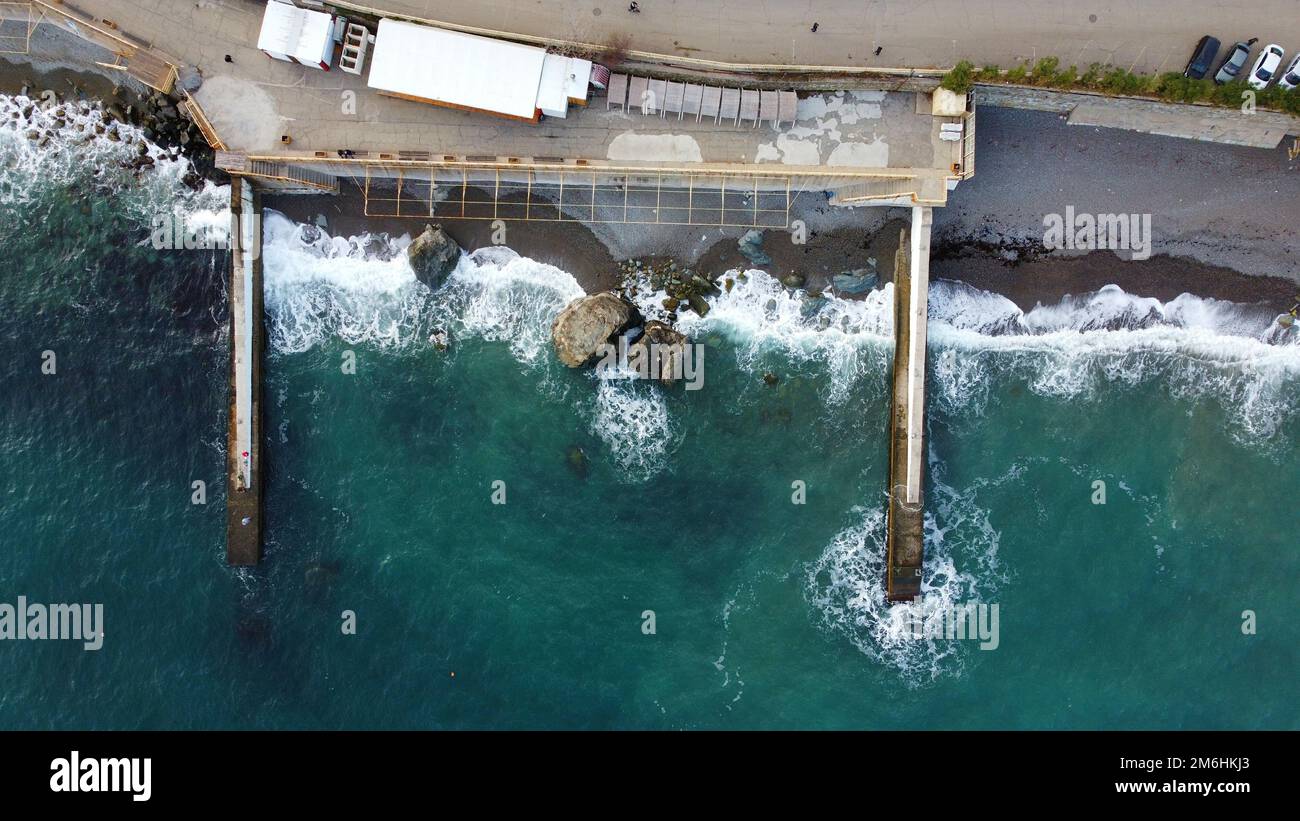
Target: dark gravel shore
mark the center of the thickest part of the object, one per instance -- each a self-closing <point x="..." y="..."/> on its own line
<point x="574" y="248"/>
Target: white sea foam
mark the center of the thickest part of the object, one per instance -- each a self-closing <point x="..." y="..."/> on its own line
<point x="361" y="289"/>
<point x="846" y="584"/>
<point x="850" y="339"/>
<point x="631" y="417"/>
<point x="1196" y="347"/>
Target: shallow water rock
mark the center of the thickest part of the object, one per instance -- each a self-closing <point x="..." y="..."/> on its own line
<point x="794" y="279"/>
<point x="576" y="460"/>
<point x="433" y="256"/>
<point x="664" y="360"/>
<point x="309" y="234"/>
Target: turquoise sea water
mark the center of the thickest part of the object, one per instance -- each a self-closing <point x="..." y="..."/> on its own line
<point x="767" y="613"/>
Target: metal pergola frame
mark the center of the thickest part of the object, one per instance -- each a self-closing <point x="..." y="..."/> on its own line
<point x="571" y="194"/>
<point x="17" y="22"/>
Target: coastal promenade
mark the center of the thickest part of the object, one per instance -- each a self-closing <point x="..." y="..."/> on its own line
<point x="283" y="113"/>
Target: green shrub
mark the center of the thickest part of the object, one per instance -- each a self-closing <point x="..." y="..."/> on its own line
<point x="1066" y="79"/>
<point x="1045" y="70"/>
<point x="1170" y="86"/>
<point x="958" y="79"/>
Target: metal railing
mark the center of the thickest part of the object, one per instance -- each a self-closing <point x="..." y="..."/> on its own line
<point x="200" y="119"/>
<point x="567" y="194"/>
<point x="968" y="142"/>
<point x="17" y="22"/>
<point x="292" y="175"/>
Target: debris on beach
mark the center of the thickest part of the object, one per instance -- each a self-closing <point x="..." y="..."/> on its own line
<point x="857" y="281"/>
<point x="751" y="247"/>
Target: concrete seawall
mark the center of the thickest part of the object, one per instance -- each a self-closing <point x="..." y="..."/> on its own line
<point x="904" y="538"/>
<point x="247" y="337"/>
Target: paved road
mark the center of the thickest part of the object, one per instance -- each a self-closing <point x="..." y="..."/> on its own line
<point x="1149" y="35"/>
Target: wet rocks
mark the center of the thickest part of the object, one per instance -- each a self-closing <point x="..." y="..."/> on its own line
<point x="794" y="279"/>
<point x="433" y="256"/>
<point x="698" y="304"/>
<point x="662" y="348"/>
<point x="684" y="288"/>
<point x="587" y="323"/>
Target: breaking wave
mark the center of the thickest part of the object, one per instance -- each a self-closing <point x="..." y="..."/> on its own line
<point x="631" y="417"/>
<point x="1198" y="348"/>
<point x="362" y="290"/>
<point x="849" y="340"/>
<point x="77" y="146"/>
<point x="846" y="584"/>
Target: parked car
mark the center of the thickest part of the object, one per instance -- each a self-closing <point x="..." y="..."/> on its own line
<point x="1291" y="77"/>
<point x="1202" y="58"/>
<point x="1270" y="59"/>
<point x="1232" y="64"/>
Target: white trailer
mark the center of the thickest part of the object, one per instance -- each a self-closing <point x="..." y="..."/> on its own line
<point x="297" y="35"/>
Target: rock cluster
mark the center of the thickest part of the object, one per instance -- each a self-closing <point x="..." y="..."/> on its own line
<point x="684" y="288"/>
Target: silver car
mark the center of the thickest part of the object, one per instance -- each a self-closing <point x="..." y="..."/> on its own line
<point x="1234" y="62"/>
<point x="1291" y="77"/>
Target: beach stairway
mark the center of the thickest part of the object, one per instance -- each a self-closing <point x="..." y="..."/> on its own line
<point x="356" y="41"/>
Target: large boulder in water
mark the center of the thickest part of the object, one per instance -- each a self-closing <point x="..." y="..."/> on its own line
<point x="587" y="323"/>
<point x="433" y="256"/>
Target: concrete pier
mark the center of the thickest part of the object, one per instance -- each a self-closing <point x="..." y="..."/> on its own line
<point x="244" y="450"/>
<point x="905" y="543"/>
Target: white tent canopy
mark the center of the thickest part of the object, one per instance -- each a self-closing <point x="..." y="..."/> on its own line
<point x="455" y="69"/>
<point x="477" y="73"/>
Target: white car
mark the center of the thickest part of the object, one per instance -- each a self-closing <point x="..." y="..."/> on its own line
<point x="1291" y="77"/>
<point x="1266" y="66"/>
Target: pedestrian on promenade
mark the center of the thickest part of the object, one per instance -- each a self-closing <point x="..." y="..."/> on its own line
<point x="879" y="49"/>
<point x="634" y="8"/>
<point x="814" y="28"/>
